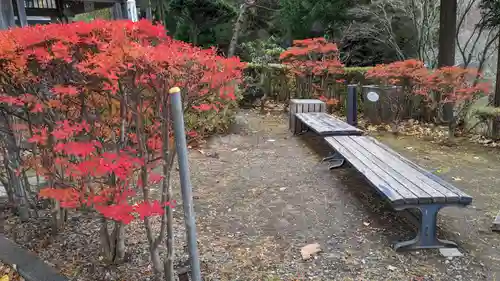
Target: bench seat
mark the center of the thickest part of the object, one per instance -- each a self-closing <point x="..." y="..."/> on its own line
<point x="397" y="178"/>
<point x="403" y="183"/>
<point x="327" y="125"/>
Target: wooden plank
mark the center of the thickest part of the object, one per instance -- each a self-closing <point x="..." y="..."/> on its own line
<point x="374" y="179"/>
<point x="422" y="195"/>
<point x="327" y="125"/>
<point x="414" y="175"/>
<point x="437" y="193"/>
<point x="327" y="118"/>
<point x="409" y="196"/>
<point x="442" y="185"/>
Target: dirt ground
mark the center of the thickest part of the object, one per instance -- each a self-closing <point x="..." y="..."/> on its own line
<point x="262" y="194"/>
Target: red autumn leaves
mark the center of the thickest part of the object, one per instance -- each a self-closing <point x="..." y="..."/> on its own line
<point x="314" y="58"/>
<point x="453" y="83"/>
<point x="90" y="95"/>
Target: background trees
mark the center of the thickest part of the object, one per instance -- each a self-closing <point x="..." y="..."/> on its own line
<point x="491" y="19"/>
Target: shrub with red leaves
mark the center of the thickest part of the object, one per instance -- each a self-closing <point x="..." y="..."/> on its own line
<point x="446" y="85"/>
<point x="316" y="63"/>
<point x="95" y="99"/>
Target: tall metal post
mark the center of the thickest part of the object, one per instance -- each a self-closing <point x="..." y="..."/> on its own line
<point x="352" y="106"/>
<point x="186" y="188"/>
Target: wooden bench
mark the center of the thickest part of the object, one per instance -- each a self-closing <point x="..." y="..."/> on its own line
<point x="309" y="114"/>
<point x="326" y="125"/>
<point x="403" y="183"/>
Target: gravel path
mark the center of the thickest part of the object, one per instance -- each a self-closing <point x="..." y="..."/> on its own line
<point x="265" y="195"/>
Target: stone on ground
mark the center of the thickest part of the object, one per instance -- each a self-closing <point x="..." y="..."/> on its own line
<point x="450" y="252"/>
<point x="309" y="250"/>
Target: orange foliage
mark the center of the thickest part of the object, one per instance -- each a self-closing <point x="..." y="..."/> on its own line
<point x="451" y="83"/>
<point x="81" y="84"/>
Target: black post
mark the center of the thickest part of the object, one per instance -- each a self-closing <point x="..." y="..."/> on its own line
<point x="352" y="106"/>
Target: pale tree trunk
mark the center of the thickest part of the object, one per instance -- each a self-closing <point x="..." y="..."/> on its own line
<point x="237" y="28"/>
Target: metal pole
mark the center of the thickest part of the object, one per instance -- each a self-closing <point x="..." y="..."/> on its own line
<point x="352" y="107"/>
<point x="186" y="189"/>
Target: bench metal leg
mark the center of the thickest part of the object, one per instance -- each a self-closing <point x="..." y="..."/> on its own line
<point x="335" y="160"/>
<point x="427" y="233"/>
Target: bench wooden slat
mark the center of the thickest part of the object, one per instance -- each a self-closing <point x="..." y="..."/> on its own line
<point x="409" y="196"/>
<point x="327" y="125"/>
<point x="374" y="178"/>
<point x="383" y="162"/>
<point x="462" y="196"/>
<point x="420" y="181"/>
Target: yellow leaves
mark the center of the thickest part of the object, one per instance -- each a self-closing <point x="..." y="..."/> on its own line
<point x="115" y="107"/>
<point x="332" y="101"/>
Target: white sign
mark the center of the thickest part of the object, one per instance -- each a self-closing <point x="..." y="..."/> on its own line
<point x="372" y="96"/>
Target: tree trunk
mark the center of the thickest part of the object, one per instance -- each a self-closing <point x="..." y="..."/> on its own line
<point x="193" y="34"/>
<point x="496" y="98"/>
<point x="167" y="192"/>
<point x="447" y="30"/>
<point x="113" y="246"/>
<point x="446" y="57"/>
<point x="236" y="30"/>
<point x="12" y="161"/>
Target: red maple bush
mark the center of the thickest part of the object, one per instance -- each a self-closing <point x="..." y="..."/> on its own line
<point x="94" y="98"/>
<point x="316" y="65"/>
<point x="447" y="85"/>
<point x="410" y="74"/>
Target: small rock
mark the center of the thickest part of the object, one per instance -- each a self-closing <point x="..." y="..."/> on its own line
<point x="391" y="268"/>
<point x="282" y="188"/>
<point x="446" y="261"/>
<point x="271" y="140"/>
<point x="234" y="149"/>
<point x="366" y="223"/>
<point x="308" y="250"/>
<point x="450" y="252"/>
